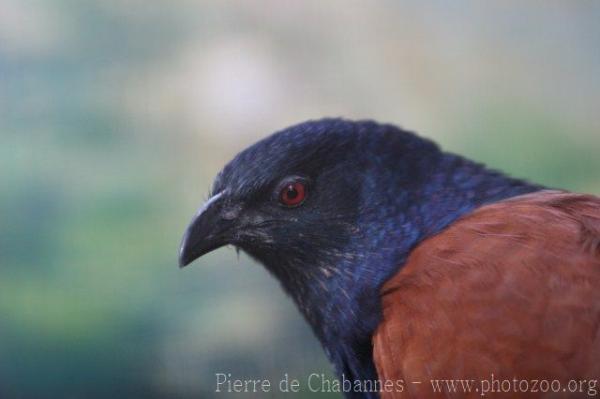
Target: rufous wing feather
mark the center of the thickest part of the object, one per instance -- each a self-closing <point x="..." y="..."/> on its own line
<point x="510" y="291"/>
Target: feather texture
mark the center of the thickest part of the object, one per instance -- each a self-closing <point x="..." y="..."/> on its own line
<point x="511" y="290"/>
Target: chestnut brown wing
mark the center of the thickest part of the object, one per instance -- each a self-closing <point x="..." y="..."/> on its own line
<point x="511" y="290"/>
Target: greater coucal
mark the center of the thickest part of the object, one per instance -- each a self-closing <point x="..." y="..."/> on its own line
<point x="411" y="263"/>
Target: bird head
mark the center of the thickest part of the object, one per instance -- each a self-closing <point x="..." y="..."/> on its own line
<point x="303" y="201"/>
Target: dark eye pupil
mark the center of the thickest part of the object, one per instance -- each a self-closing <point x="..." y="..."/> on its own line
<point x="292" y="192"/>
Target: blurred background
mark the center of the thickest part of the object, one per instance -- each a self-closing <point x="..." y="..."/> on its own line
<point x="116" y="115"/>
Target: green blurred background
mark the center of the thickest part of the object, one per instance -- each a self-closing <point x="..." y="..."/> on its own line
<point x="115" y="116"/>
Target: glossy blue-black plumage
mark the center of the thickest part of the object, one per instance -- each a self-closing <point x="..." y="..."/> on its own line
<point x="375" y="191"/>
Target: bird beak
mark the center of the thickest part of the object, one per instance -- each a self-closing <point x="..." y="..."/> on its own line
<point x="207" y="231"/>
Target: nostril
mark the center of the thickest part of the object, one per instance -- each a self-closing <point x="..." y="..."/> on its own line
<point x="231" y="213"/>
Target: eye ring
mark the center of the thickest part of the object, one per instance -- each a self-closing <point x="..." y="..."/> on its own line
<point x="292" y="193"/>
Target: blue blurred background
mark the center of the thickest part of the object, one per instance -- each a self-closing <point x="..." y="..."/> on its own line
<point x="115" y="116"/>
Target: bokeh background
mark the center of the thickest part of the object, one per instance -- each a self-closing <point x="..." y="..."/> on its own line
<point x="115" y="116"/>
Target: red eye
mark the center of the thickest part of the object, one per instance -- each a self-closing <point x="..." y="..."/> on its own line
<point x="292" y="194"/>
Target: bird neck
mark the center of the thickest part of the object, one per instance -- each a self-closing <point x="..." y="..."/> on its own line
<point x="344" y="308"/>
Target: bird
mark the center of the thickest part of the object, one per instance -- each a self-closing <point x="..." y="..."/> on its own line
<point x="415" y="266"/>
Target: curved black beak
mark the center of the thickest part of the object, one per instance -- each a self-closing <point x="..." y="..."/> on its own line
<point x="207" y="232"/>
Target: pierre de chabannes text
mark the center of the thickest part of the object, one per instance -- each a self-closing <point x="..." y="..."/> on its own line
<point x="319" y="382"/>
